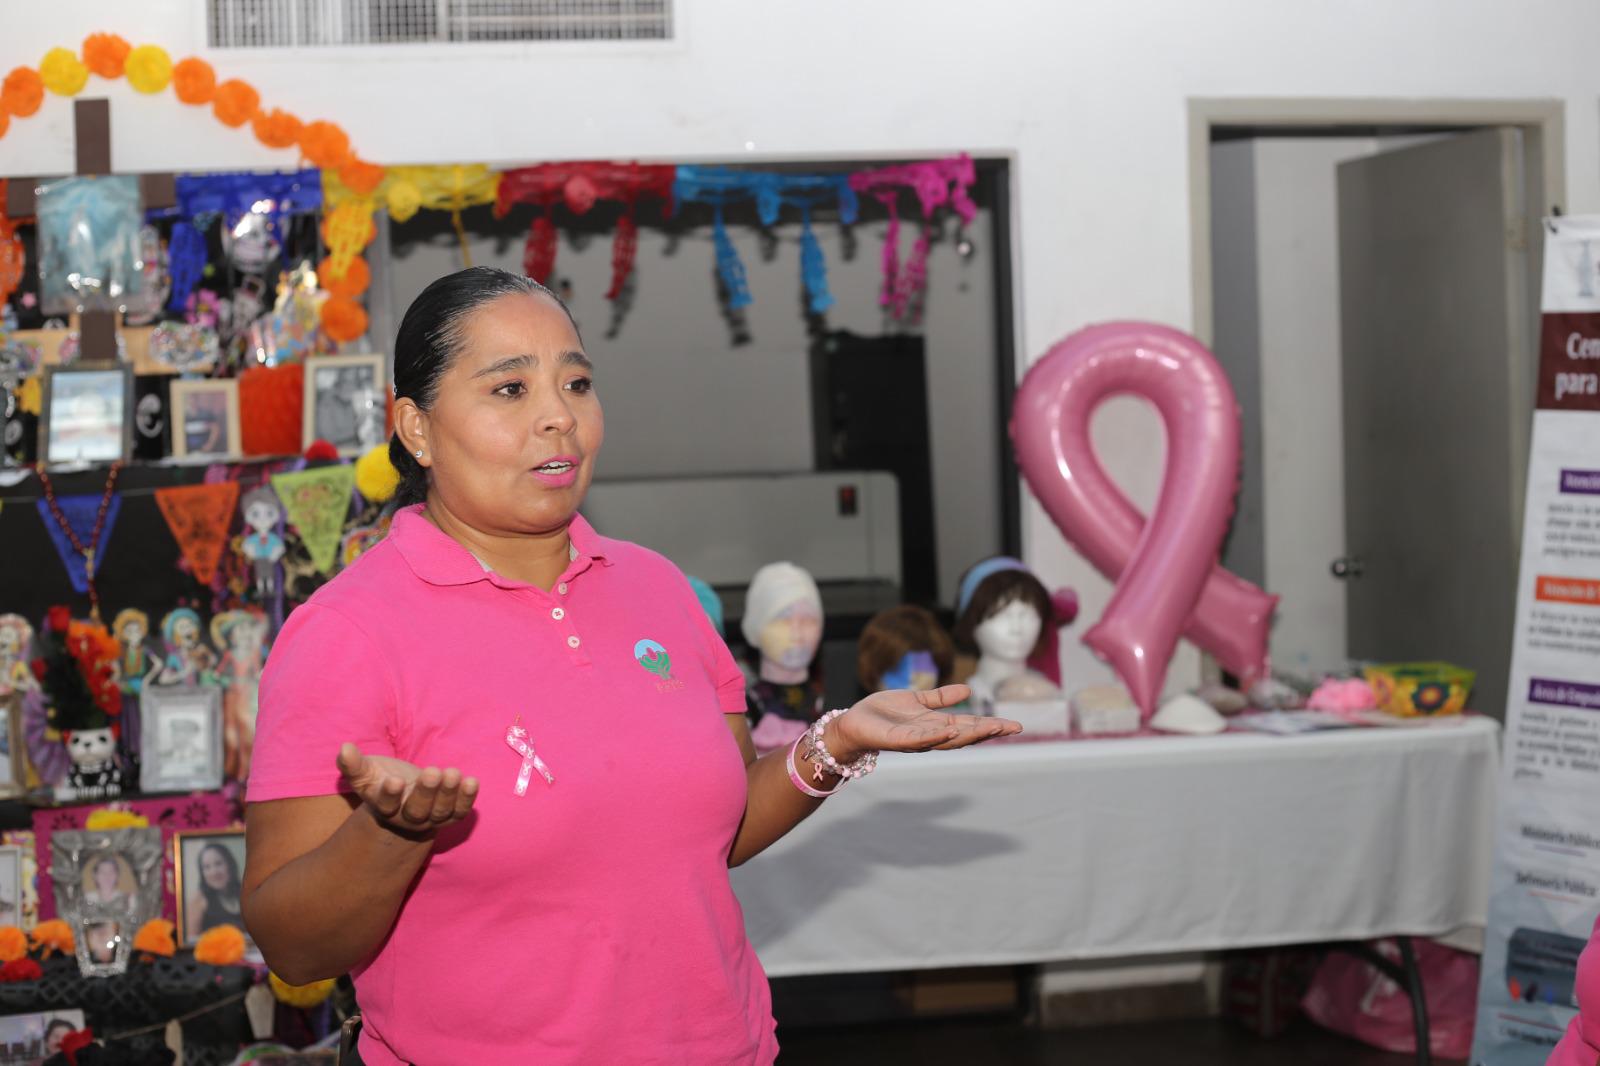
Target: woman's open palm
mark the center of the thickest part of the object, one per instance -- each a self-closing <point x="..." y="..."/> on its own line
<point x="902" y="720"/>
<point x="406" y="797"/>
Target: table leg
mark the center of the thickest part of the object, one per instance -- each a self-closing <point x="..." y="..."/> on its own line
<point x="1408" y="976"/>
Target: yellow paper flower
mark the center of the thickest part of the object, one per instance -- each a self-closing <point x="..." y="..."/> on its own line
<point x="30" y="397"/>
<point x="405" y="199"/>
<point x="155" y="937"/>
<point x="109" y="818"/>
<point x="13" y="943"/>
<point x="221" y="946"/>
<point x="63" y="72"/>
<point x="54" y="935"/>
<point x="149" y="68"/>
<point x="376" y="477"/>
<point x="302" y="996"/>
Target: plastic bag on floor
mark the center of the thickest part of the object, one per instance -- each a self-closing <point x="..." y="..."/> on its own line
<point x="1349" y="996"/>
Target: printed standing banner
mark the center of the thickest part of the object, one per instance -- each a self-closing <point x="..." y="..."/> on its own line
<point x="1545" y="889"/>
<point x="316" y="502"/>
<point x="199" y="516"/>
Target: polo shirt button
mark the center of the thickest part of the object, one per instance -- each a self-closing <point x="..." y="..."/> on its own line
<point x="573" y="642"/>
<point x="562" y="588"/>
<point x="558" y="614"/>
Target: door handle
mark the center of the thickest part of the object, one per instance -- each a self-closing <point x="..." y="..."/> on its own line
<point x="1347" y="568"/>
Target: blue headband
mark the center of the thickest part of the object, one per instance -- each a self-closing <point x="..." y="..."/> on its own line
<point x="980" y="571"/>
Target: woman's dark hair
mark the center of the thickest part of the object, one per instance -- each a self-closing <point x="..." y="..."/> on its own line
<point x="895" y="632"/>
<point x="429" y="340"/>
<point x="232" y="892"/>
<point x="995" y="593"/>
<point x="54" y="1024"/>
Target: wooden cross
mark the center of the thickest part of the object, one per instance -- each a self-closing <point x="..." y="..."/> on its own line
<point x="91" y="122"/>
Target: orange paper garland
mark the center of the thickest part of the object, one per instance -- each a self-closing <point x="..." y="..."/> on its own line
<point x="22" y="93"/>
<point x="194" y="81"/>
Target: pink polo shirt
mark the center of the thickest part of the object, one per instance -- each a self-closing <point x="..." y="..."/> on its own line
<point x="1580" y="1046"/>
<point x="589" y="921"/>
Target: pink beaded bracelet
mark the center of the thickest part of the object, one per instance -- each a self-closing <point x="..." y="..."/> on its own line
<point x="817" y="753"/>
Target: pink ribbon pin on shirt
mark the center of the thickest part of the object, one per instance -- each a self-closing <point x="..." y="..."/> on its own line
<point x="517" y="738"/>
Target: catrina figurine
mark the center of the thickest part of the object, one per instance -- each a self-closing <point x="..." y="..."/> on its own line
<point x="189" y="661"/>
<point x="16" y="640"/>
<point x="242" y="636"/>
<point x="82" y="682"/>
<point x="261" y="543"/>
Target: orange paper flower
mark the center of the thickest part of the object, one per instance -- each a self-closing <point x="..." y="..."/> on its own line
<point x="194" y="81"/>
<point x="5" y="124"/>
<point x="22" y="92"/>
<point x="105" y="54"/>
<point x="235" y="103"/>
<point x="361" y="178"/>
<point x="276" y="128"/>
<point x="222" y="946"/>
<point x="13" y="943"/>
<point x="54" y="935"/>
<point x="352" y="283"/>
<point x="343" y="319"/>
<point x="325" y="145"/>
<point x="155" y="937"/>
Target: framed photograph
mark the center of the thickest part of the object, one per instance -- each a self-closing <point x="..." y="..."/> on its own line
<point x="29" y="1038"/>
<point x="12" y="869"/>
<point x="108" y="883"/>
<point x="210" y="868"/>
<point x="345" y="402"/>
<point x="87" y="413"/>
<point x="180" y="738"/>
<point x="13" y="754"/>
<point x="205" y="419"/>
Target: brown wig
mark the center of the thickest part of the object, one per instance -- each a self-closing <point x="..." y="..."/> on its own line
<point x="997" y="592"/>
<point x="892" y="635"/>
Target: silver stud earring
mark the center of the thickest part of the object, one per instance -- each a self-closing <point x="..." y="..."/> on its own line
<point x="418" y="453"/>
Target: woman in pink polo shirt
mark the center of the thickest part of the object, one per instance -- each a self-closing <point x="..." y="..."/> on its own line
<point x="502" y="765"/>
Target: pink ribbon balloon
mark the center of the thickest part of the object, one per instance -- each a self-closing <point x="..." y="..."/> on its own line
<point x="1166" y="573"/>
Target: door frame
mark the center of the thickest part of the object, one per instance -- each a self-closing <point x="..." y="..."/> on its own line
<point x="1542" y="122"/>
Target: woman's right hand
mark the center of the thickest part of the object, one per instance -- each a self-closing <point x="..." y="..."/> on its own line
<point x="404" y="798"/>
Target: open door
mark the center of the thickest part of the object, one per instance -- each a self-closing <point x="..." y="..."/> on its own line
<point x="1438" y="357"/>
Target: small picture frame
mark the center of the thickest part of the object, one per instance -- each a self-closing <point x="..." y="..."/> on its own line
<point x="103" y="937"/>
<point x="87" y="413"/>
<point x="13" y="752"/>
<point x="36" y="1037"/>
<point x="180" y="738"/>
<point x="209" y="872"/>
<point x="13" y="866"/>
<point x="345" y="402"/>
<point x="205" y="419"/>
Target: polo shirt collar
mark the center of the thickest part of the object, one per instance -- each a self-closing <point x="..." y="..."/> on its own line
<point x="438" y="559"/>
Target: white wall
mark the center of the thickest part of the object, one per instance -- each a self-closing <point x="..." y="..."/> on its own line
<point x="681" y="399"/>
<point x="1089" y="97"/>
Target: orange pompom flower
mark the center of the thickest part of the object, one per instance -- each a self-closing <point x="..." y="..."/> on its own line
<point x="343" y="319"/>
<point x="352" y="283"/>
<point x="155" y="937"/>
<point x="5" y="124"/>
<point x="22" y="92"/>
<point x="54" y="935"/>
<point x="106" y="54"/>
<point x="325" y="145"/>
<point x="361" y="178"/>
<point x="276" y="128"/>
<point x="221" y="946"/>
<point x="235" y="103"/>
<point x="194" y="81"/>
<point x="13" y="943"/>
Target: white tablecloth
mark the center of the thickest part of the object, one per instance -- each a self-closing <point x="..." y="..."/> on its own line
<point x="1095" y="849"/>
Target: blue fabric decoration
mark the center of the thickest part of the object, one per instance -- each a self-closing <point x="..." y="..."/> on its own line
<point x="813" y="267"/>
<point x="88" y="241"/>
<point x="729" y="267"/>
<point x="979" y="572"/>
<point x="720" y="186"/>
<point x="710" y="602"/>
<point x="80" y="512"/>
<point x="233" y="195"/>
<point x="186" y="262"/>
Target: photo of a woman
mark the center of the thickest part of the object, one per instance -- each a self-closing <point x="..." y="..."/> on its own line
<point x="108" y="879"/>
<point x="209" y="868"/>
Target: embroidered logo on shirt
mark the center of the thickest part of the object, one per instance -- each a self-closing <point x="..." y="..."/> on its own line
<point x="654" y="658"/>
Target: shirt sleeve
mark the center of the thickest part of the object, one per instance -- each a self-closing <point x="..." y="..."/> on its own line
<point x="324" y="684"/>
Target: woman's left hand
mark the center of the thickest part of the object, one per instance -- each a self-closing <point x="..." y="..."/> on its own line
<point x="911" y="721"/>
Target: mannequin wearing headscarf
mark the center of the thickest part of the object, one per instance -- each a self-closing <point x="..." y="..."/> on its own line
<point x="783" y="625"/>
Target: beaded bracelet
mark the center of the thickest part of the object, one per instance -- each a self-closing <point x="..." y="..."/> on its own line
<point x="818" y="754"/>
<point x="794" y="775"/>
